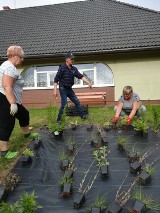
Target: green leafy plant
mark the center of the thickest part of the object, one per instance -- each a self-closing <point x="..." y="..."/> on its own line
<point x="156" y="119"/>
<point x="7" y="208"/>
<point x="66" y="179"/>
<point x="26" y="204"/>
<point x="11" y="181"/>
<point x="122" y="121"/>
<point x="101" y="201"/>
<point x="148" y="200"/>
<point x="52" y="119"/>
<point x="100" y="156"/>
<point x="150" y="169"/>
<point x="62" y="155"/>
<point x="140" y="125"/>
<point x="122" y="142"/>
<point x="28" y="152"/>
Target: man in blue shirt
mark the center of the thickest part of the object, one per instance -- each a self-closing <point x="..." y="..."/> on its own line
<point x="65" y="78"/>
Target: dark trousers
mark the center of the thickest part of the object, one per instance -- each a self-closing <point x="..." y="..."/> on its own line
<point x="68" y="92"/>
<point x="7" y="121"/>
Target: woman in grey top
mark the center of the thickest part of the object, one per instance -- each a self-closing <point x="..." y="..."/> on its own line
<point x="128" y="104"/>
<point x="11" y="88"/>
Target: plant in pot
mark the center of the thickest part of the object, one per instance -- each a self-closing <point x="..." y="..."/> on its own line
<point x="89" y="127"/>
<point x="95" y="141"/>
<point x="121" y="124"/>
<point x="133" y="154"/>
<point x="145" y="176"/>
<point x="140" y="126"/>
<point x="55" y="128"/>
<point x="107" y="125"/>
<point x="80" y="196"/>
<point x="27" y="157"/>
<point x="99" y="205"/>
<point x="70" y="145"/>
<point x="66" y="182"/>
<point x="122" y="143"/>
<point x="144" y="202"/>
<point x="64" y="160"/>
<point x="102" y="162"/>
<point x="73" y="125"/>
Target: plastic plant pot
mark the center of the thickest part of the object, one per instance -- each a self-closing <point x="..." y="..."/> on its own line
<point x="95" y="144"/>
<point x="70" y="149"/>
<point x="66" y="189"/>
<point x="132" y="157"/>
<point x="115" y="208"/>
<point x="64" y="165"/>
<point x="26" y="160"/>
<point x="139" y="207"/>
<point x="144" y="178"/>
<point x="135" y="167"/>
<point x="79" y="200"/>
<point x="73" y="126"/>
<point x="37" y="143"/>
<point x="104" y="141"/>
<point x="120" y="147"/>
<point x="104" y="171"/>
<point x="96" y="210"/>
<point x="89" y="127"/>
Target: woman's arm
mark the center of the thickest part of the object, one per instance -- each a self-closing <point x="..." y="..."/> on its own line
<point x="136" y="106"/>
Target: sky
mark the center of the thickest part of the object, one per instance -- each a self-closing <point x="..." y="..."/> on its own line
<point x="151" y="4"/>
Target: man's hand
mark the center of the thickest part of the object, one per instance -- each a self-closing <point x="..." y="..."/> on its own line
<point x="129" y="121"/>
<point x="13" y="109"/>
<point x="55" y="93"/>
<point x="90" y="86"/>
<point x="115" y="119"/>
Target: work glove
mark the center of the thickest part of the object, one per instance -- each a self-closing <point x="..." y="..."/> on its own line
<point x="115" y="119"/>
<point x="129" y="121"/>
<point x="13" y="109"/>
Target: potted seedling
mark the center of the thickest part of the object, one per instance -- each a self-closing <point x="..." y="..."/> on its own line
<point x="143" y="202"/>
<point x="66" y="182"/>
<point x="95" y="141"/>
<point x="145" y="176"/>
<point x="122" y="143"/>
<point x="107" y="125"/>
<point x="121" y="124"/>
<point x="81" y="194"/>
<point x="133" y="154"/>
<point x="64" y="160"/>
<point x="89" y="127"/>
<point x="102" y="162"/>
<point x="27" y="157"/>
<point x="99" y="205"/>
<point x="37" y="143"/>
<point x="73" y="125"/>
<point x="70" y="145"/>
<point x="140" y="126"/>
<point x="104" y="141"/>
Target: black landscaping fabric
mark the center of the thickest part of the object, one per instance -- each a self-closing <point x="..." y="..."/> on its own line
<point x="43" y="174"/>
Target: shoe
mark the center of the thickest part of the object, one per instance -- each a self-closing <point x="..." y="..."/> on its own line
<point x="58" y="122"/>
<point x="84" y="117"/>
<point x="11" y="155"/>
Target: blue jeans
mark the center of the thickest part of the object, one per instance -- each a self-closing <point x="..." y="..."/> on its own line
<point x="68" y="92"/>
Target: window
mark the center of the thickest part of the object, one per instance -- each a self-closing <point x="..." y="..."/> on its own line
<point x="43" y="77"/>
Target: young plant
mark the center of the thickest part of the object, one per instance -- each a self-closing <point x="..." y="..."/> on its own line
<point x="70" y="141"/>
<point x="101" y="201"/>
<point x="150" y="169"/>
<point x="62" y="155"/>
<point x="28" y="203"/>
<point x="7" y="208"/>
<point x="156" y="119"/>
<point x="100" y="156"/>
<point x="122" y="142"/>
<point x="140" y="125"/>
<point x="28" y="152"/>
<point x="65" y="179"/>
<point x="11" y="181"/>
<point x="148" y="200"/>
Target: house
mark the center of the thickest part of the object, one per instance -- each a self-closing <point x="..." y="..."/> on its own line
<point x="116" y="44"/>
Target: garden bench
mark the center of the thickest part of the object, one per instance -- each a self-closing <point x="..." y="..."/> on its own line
<point x="90" y="97"/>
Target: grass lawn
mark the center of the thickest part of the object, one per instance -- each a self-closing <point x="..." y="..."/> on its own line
<point x="39" y="118"/>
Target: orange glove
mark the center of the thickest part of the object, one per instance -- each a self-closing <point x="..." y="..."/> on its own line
<point x="129" y="121"/>
<point x="115" y="119"/>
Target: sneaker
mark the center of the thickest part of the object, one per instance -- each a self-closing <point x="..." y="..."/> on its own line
<point x="84" y="117"/>
<point x="11" y="155"/>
